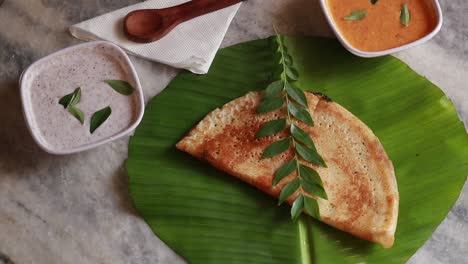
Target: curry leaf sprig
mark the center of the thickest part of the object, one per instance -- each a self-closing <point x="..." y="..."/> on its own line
<point x="70" y="101"/>
<point x="361" y="14"/>
<point x="282" y="94"/>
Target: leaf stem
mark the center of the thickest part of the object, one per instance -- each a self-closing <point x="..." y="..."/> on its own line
<point x="305" y="246"/>
<point x="289" y="119"/>
<point x="293" y="141"/>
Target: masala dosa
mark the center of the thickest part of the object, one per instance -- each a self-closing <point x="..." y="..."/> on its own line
<point x="359" y="180"/>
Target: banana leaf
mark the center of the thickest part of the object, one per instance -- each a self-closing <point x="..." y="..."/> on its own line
<point x="208" y="216"/>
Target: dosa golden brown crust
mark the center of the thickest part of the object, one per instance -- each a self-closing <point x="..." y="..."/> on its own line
<point x="359" y="181"/>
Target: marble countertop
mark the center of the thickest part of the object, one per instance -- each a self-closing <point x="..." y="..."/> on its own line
<point x="76" y="208"/>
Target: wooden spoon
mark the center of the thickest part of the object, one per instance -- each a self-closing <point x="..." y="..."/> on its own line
<point x="148" y="25"/>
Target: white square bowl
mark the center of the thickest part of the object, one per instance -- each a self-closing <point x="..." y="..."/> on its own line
<point x="27" y="106"/>
<point x="434" y="4"/>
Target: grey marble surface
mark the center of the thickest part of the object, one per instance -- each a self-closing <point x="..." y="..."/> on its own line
<point x="76" y="208"/>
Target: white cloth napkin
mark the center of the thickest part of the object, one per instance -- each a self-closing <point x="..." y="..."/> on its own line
<point x="191" y="45"/>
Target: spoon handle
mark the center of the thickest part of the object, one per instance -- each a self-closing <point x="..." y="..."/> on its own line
<point x="195" y="8"/>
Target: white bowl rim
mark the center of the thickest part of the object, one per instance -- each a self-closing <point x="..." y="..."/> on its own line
<point x="28" y="116"/>
<point x="366" y="54"/>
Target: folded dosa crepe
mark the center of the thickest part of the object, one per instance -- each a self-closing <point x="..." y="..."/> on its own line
<point x="359" y="180"/>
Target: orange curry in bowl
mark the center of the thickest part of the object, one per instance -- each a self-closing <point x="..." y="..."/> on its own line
<point x="377" y="25"/>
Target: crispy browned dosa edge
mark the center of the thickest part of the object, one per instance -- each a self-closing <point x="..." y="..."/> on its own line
<point x="359" y="181"/>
